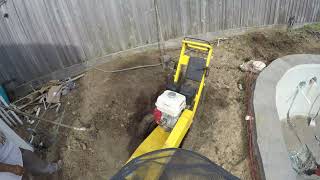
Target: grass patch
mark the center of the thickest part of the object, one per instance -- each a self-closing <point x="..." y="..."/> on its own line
<point x="314" y="27"/>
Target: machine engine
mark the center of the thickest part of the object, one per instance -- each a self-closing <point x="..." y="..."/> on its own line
<point x="169" y="106"/>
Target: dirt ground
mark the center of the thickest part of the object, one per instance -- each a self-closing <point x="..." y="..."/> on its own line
<point x="111" y="106"/>
<point x="219" y="132"/>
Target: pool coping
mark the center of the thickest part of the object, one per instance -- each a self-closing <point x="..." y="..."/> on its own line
<point x="273" y="151"/>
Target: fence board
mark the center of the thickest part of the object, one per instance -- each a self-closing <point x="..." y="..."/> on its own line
<point x="41" y="37"/>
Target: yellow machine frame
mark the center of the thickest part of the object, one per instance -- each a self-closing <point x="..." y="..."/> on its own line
<point x="161" y="139"/>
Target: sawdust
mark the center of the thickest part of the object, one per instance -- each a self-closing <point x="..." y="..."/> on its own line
<point x="111" y="106"/>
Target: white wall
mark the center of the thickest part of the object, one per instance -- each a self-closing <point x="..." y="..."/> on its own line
<point x="287" y="86"/>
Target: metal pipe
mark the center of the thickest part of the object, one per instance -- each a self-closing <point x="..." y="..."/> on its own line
<point x="45" y="120"/>
<point x="7" y="115"/>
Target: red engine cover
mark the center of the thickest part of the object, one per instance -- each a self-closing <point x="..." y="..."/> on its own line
<point x="157" y="115"/>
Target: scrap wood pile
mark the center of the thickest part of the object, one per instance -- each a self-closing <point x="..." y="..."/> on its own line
<point x="25" y="114"/>
<point x="47" y="96"/>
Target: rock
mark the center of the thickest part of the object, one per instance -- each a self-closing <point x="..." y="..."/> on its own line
<point x="84" y="146"/>
<point x="249" y="118"/>
<point x="240" y="87"/>
<point x="253" y="66"/>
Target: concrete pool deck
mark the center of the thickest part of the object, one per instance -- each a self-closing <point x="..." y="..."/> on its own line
<point x="272" y="147"/>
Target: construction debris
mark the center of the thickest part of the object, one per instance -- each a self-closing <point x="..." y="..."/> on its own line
<point x="220" y="40"/>
<point x="253" y="66"/>
<point x="314" y="33"/>
<point x="8" y="116"/>
<point x="54" y="94"/>
<point x="70" y="85"/>
<point x="50" y="93"/>
<point x="45" y="120"/>
<point x="33" y="107"/>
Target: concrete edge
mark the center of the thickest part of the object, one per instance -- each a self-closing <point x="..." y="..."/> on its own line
<point x="266" y="115"/>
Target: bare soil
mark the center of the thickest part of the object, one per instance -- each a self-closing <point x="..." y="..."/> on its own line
<point x="111" y="106"/>
<point x="219" y="131"/>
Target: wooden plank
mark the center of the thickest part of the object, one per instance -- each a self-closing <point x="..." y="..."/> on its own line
<point x="309" y="10"/>
<point x="170" y="18"/>
<point x="195" y="16"/>
<point x="287" y="3"/>
<point x="237" y="13"/>
<point x="21" y="56"/>
<point x="229" y="14"/>
<point x="17" y="33"/>
<point x="257" y="12"/>
<point x="316" y="9"/>
<point x="6" y="73"/>
<point x="255" y="19"/>
<point x="73" y="46"/>
<point x="276" y="12"/>
<point x="48" y="60"/>
<point x="244" y="13"/>
<point x="295" y="11"/>
<point x="95" y="44"/>
<point x="317" y="12"/>
<point x="138" y="10"/>
<point x="56" y="36"/>
<point x="271" y="12"/>
<point x="250" y="12"/>
<point x="304" y="13"/>
<point x="266" y="12"/>
<point x="213" y="15"/>
<point x="203" y="16"/>
<point x="224" y="14"/>
<point x="290" y="11"/>
<point x="34" y="31"/>
<point x="299" y="7"/>
<point x="317" y="16"/>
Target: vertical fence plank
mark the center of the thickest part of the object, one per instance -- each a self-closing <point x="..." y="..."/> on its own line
<point x="40" y="37"/>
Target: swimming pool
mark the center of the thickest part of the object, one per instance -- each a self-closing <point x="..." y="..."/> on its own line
<point x="286" y="103"/>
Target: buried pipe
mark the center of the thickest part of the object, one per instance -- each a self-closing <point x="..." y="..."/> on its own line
<point x="253" y="161"/>
<point x="128" y="69"/>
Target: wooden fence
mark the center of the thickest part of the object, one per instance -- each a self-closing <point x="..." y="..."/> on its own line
<point x="38" y="37"/>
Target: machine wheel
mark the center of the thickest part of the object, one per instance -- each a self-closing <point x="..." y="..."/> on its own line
<point x="146" y="125"/>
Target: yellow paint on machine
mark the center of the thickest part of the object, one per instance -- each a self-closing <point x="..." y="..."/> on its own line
<point x="159" y="138"/>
